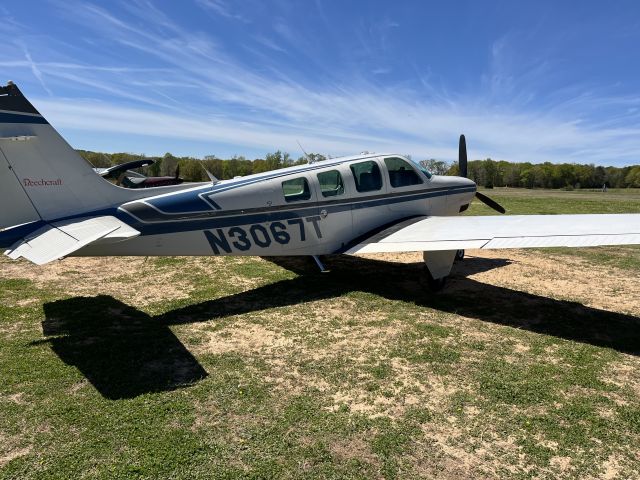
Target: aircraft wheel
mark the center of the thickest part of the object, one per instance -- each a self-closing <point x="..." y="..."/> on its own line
<point x="435" y="284"/>
<point x="459" y="255"/>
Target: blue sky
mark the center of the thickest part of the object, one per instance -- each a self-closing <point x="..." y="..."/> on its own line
<point x="525" y="81"/>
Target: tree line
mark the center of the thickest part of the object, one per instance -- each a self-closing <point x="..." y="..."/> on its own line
<point x="488" y="173"/>
<point x="491" y="173"/>
<point x="193" y="169"/>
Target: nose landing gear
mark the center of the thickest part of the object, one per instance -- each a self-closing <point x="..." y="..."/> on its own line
<point x="435" y="284"/>
<point x="438" y="266"/>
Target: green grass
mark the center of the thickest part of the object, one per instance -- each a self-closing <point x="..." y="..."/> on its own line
<point x="519" y="201"/>
<point x="356" y="373"/>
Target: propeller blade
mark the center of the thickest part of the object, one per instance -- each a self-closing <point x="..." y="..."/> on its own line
<point x="462" y="156"/>
<point x="490" y="203"/>
<point x="177" y="171"/>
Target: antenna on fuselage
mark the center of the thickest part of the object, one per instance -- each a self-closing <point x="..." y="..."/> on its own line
<point x="211" y="176"/>
<point x="306" y="155"/>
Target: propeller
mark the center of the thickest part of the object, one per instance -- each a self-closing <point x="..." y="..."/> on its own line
<point x="177" y="172"/>
<point x="490" y="203"/>
<point x="462" y="166"/>
<point x="462" y="156"/>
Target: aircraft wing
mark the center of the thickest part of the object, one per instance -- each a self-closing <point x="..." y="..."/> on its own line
<point x="513" y="231"/>
<point x="59" y="239"/>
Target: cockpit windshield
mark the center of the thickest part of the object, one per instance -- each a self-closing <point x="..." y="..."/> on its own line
<point x="421" y="167"/>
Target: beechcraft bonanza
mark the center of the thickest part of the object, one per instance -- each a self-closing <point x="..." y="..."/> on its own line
<point x="54" y="205"/>
<point x="124" y="175"/>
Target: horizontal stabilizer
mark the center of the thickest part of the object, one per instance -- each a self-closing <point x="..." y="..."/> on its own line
<point x="59" y="239"/>
<point x="515" y="231"/>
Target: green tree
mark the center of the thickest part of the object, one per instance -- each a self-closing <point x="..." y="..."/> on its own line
<point x="437" y="167"/>
<point x="632" y="179"/>
<point x="168" y="165"/>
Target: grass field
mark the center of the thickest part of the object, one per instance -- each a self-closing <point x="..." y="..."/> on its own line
<point x="526" y="366"/>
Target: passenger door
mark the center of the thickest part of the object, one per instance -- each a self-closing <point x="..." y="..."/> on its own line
<point x="368" y="198"/>
<point x="334" y="207"/>
<point x="296" y="215"/>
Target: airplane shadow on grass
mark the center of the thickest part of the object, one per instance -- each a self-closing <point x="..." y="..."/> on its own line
<point x="124" y="352"/>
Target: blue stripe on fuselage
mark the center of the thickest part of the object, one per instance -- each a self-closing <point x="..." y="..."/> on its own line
<point x="13" y="234"/>
<point x="180" y="203"/>
<point x="6" y="117"/>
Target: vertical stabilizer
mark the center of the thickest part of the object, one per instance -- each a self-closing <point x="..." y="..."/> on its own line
<point x="41" y="176"/>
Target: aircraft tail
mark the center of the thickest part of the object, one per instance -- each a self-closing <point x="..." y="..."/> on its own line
<point x="41" y="176"/>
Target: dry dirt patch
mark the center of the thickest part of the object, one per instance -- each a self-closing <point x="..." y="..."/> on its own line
<point x="10" y="449"/>
<point x="555" y="276"/>
<point x="245" y="339"/>
<point x="13" y="454"/>
<point x="354" y="449"/>
<point x="354" y="345"/>
<point x="564" y="277"/>
<point x="131" y="279"/>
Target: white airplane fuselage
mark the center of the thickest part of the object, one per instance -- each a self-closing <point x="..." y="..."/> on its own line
<point x="252" y="215"/>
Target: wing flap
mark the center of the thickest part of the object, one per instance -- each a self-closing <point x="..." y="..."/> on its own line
<point x="59" y="239"/>
<point x="517" y="231"/>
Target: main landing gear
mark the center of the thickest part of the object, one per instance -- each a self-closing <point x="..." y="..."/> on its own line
<point x="319" y="263"/>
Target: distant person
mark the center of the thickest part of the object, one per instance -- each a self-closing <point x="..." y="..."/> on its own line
<point x="604" y="187"/>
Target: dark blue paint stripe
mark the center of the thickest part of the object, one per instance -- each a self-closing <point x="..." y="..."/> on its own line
<point x="181" y="203"/>
<point x="215" y="205"/>
<point x="12" y="235"/>
<point x="19" y="118"/>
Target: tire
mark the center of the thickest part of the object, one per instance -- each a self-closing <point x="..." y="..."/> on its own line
<point x="435" y="284"/>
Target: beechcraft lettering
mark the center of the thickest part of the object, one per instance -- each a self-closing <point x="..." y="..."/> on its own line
<point x="367" y="203"/>
<point x="28" y="182"/>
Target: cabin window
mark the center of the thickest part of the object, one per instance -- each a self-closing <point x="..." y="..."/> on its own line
<point x="296" y="189"/>
<point x="331" y="183"/>
<point x="401" y="174"/>
<point x="367" y="176"/>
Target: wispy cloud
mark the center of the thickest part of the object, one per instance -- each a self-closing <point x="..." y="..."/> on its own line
<point x="381" y="70"/>
<point x="221" y="8"/>
<point x="35" y="70"/>
<point x="192" y="88"/>
<point x="269" y="43"/>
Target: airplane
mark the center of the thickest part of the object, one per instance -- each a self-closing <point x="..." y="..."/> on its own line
<point x="55" y="206"/>
<point x="124" y="176"/>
